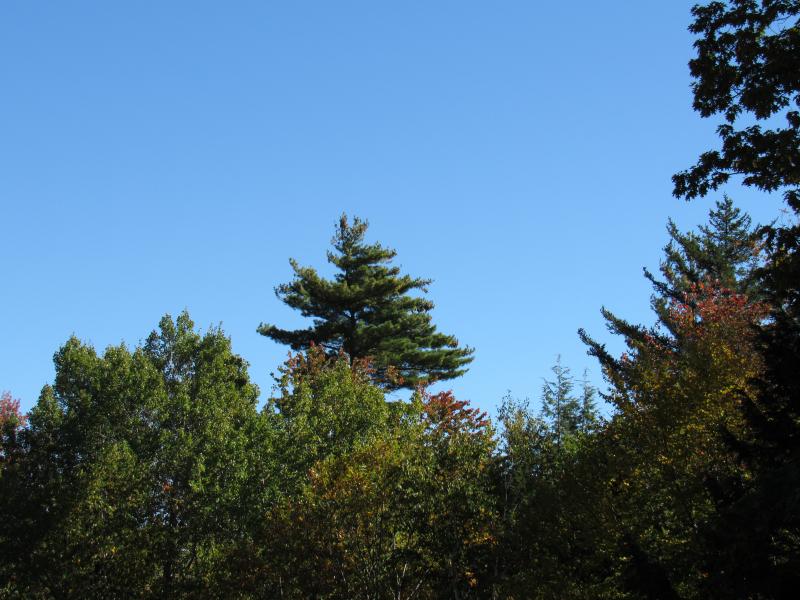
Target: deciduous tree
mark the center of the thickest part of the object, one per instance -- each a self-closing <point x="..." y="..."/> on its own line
<point x="141" y="470"/>
<point x="746" y="66"/>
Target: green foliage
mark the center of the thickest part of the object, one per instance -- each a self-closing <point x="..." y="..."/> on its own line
<point x="367" y="311"/>
<point x="566" y="414"/>
<point x="722" y="257"/>
<point x="379" y="499"/>
<point x="455" y="512"/>
<point x="150" y="472"/>
<point x="676" y="398"/>
<point x="747" y="63"/>
<point x="327" y="407"/>
<point x="677" y="392"/>
<point x="138" y="470"/>
<point x="724" y="252"/>
<point x="551" y="540"/>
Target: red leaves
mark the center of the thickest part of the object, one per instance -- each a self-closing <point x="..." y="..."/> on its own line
<point x="10" y="413"/>
<point x="449" y="416"/>
<point x="709" y="307"/>
<point x="11" y="422"/>
<point x="705" y="342"/>
<point x="310" y="364"/>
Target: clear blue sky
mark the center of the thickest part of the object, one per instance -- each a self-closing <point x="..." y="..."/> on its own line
<point x="156" y="156"/>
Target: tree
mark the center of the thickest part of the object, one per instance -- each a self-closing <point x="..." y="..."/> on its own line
<point x="382" y="499"/>
<point x="11" y="423"/>
<point x="747" y="64"/>
<point x="367" y="311"/>
<point x="566" y="414"/>
<point x="677" y="393"/>
<point x="724" y="251"/>
<point x="332" y="532"/>
<point x="723" y="255"/>
<point x="454" y="508"/>
<point x="551" y="532"/>
<point x="347" y="533"/>
<point x="327" y="406"/>
<point x="559" y="407"/>
<point x="669" y="463"/>
<point x="141" y="474"/>
<point x="748" y="60"/>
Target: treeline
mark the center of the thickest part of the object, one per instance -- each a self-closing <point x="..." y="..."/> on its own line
<point x="153" y="472"/>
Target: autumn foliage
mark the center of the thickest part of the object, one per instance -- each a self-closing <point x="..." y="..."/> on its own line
<point x="162" y="471"/>
<point x="12" y="421"/>
<point x="445" y="415"/>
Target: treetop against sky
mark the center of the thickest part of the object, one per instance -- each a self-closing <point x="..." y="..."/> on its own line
<point x="160" y="157"/>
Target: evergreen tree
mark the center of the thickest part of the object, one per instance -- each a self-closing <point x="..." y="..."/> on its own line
<point x="564" y="412"/>
<point x="675" y="393"/>
<point x="559" y="407"/>
<point x="725" y="252"/>
<point x="722" y="257"/>
<point x="552" y="537"/>
<point x="588" y="411"/>
<point x="367" y="311"/>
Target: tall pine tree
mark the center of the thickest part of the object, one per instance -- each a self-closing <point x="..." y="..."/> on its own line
<point x="722" y="257"/>
<point x="368" y="311"/>
<point x="724" y="252"/>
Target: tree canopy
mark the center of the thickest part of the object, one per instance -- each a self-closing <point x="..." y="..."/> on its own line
<point x="746" y="69"/>
<point x="137" y="467"/>
<point x="151" y="472"/>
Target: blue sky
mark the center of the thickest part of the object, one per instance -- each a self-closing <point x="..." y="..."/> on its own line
<point x="156" y="156"/>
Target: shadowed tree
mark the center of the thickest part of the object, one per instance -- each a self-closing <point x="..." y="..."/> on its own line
<point x="746" y="69"/>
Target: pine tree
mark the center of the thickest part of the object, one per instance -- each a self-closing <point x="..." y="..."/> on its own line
<point x="722" y="257"/>
<point x="724" y="252"/>
<point x="367" y="311"/>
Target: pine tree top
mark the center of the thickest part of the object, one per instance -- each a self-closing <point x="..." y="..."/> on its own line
<point x="725" y="251"/>
<point x="368" y="310"/>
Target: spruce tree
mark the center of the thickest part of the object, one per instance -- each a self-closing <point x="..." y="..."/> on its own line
<point x="367" y="311"/>
<point x="566" y="413"/>
<point x="559" y="407"/>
